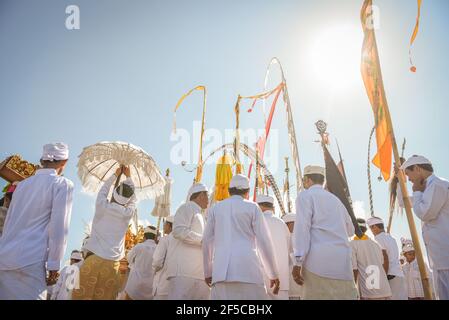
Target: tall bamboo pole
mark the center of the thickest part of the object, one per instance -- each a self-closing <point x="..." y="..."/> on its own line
<point x="199" y="169"/>
<point x="405" y="196"/>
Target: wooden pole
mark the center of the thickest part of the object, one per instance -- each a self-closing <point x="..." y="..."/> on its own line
<point x="199" y="170"/>
<point x="405" y="196"/>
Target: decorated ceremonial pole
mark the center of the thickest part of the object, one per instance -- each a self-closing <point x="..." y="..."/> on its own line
<point x="393" y="193"/>
<point x="199" y="168"/>
<point x="290" y="123"/>
<point x="386" y="141"/>
<point x="287" y="186"/>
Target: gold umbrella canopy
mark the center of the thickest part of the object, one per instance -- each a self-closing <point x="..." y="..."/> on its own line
<point x="99" y="161"/>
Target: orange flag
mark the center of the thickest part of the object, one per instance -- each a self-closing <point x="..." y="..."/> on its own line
<point x="372" y="78"/>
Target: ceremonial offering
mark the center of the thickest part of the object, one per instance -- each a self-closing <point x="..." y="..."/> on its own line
<point x="14" y="168"/>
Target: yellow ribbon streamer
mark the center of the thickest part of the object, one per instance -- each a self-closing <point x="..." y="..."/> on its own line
<point x="199" y="170"/>
<point x="414" y="35"/>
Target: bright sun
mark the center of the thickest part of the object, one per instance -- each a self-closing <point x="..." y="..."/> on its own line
<point x="335" y="56"/>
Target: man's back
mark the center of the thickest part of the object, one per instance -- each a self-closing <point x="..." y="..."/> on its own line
<point x="367" y="259"/>
<point x="322" y="229"/>
<point x="39" y="208"/>
<point x="235" y="225"/>
<point x="140" y="280"/>
<point x="109" y="225"/>
<point x="280" y="236"/>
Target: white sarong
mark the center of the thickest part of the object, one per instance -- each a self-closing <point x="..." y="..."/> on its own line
<point x="26" y="283"/>
<point x="238" y="291"/>
<point x="443" y="284"/>
<point x="184" y="288"/>
<point x="398" y="288"/>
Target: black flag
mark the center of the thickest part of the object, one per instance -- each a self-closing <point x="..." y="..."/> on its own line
<point x="336" y="184"/>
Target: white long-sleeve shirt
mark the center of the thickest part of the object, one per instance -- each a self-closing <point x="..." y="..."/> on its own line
<point x="432" y="208"/>
<point x="321" y="233"/>
<point x="63" y="288"/>
<point x="367" y="259"/>
<point x="109" y="226"/>
<point x="37" y="223"/>
<point x="188" y="228"/>
<point x="140" y="280"/>
<point x="161" y="259"/>
<point x="237" y="244"/>
<point x="413" y="279"/>
<point x="388" y="243"/>
<point x="280" y="236"/>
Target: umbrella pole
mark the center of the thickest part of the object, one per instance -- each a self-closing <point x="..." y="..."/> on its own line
<point x="158" y="226"/>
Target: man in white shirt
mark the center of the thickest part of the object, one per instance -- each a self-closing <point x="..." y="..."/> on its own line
<point x="369" y="263"/>
<point x="280" y="236"/>
<point x="295" y="290"/>
<point x="394" y="273"/>
<point x="321" y="246"/>
<point x="185" y="272"/>
<point x="105" y="247"/>
<point x="237" y="248"/>
<point x="67" y="281"/>
<point x="411" y="272"/>
<point x="431" y="206"/>
<point x="140" y="280"/>
<point x="161" y="259"/>
<point x="35" y="232"/>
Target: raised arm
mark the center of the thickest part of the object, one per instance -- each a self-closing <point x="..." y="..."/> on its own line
<point x="427" y="205"/>
<point x="102" y="196"/>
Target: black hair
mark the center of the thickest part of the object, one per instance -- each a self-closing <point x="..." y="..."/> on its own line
<point x="380" y="226"/>
<point x="195" y="195"/>
<point x="127" y="191"/>
<point x="266" y="204"/>
<point x="149" y="235"/>
<point x="238" y="192"/>
<point x="45" y="163"/>
<point x="316" y="178"/>
<point x="362" y="221"/>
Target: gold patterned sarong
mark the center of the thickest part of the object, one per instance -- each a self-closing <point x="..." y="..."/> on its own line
<point x="99" y="279"/>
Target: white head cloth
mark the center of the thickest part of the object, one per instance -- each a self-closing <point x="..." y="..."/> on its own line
<point x="407" y="245"/>
<point x="170" y="219"/>
<point x="240" y="182"/>
<point x="315" y="170"/>
<point x="195" y="188"/>
<point x="414" y="160"/>
<point x="76" y="256"/>
<point x="289" y="217"/>
<point x="373" y="221"/>
<point x="150" y="229"/>
<point x="55" y="152"/>
<point x="261" y="198"/>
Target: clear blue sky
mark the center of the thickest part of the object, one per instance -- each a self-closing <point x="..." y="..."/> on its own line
<point x="120" y="75"/>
